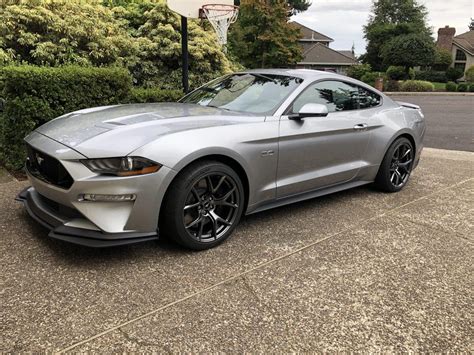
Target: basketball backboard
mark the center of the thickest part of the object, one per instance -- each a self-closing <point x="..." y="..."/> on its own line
<point x="190" y="8"/>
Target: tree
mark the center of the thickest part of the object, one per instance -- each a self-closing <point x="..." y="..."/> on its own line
<point x="470" y="74"/>
<point x="389" y="19"/>
<point x="442" y="59"/>
<point x="358" y="71"/>
<point x="294" y="5"/>
<point x="262" y="37"/>
<point x="410" y="50"/>
<point x="471" y="25"/>
<point x="141" y="36"/>
<point x="453" y="74"/>
<point x="299" y="5"/>
<point x="58" y="33"/>
<point x="398" y="12"/>
<point x="156" y="29"/>
<point x="396" y="73"/>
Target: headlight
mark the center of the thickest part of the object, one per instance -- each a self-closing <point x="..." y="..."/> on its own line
<point x="127" y="166"/>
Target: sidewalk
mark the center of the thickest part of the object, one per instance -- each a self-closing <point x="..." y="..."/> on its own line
<point x="355" y="271"/>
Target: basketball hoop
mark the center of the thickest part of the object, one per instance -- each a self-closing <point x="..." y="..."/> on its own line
<point x="221" y="17"/>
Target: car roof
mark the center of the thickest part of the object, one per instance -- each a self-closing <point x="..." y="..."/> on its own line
<point x="299" y="73"/>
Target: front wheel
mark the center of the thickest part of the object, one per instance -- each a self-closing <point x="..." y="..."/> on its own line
<point x="203" y="205"/>
<point x="396" y="166"/>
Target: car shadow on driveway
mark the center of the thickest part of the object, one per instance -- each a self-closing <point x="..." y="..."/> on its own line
<point x="77" y="254"/>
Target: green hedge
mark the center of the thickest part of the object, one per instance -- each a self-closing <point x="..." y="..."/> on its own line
<point x="433" y="76"/>
<point x="370" y="78"/>
<point x="463" y="87"/>
<point x="391" y="85"/>
<point x="416" y="86"/>
<point x="35" y="95"/>
<point x="453" y="74"/>
<point x="451" y="87"/>
<point x="396" y="73"/>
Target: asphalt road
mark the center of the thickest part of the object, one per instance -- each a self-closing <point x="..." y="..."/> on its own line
<point x="354" y="271"/>
<point x="449" y="118"/>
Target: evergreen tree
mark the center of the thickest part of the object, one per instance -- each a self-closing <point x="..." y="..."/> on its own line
<point x="295" y="5"/>
<point x="415" y="49"/>
<point x="262" y="37"/>
<point x="398" y="12"/>
<point x="389" y="19"/>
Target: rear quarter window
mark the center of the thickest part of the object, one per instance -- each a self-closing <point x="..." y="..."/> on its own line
<point x="368" y="98"/>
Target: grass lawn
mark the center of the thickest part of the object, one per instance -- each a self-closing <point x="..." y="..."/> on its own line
<point x="440" y="86"/>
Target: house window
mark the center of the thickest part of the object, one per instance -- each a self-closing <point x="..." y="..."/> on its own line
<point x="460" y="56"/>
<point x="461" y="66"/>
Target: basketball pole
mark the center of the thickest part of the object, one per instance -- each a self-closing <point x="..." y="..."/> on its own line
<point x="184" y="53"/>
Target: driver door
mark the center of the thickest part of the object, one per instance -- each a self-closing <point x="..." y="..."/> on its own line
<point x="317" y="152"/>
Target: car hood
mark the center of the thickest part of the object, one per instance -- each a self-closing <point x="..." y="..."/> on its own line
<point x="119" y="130"/>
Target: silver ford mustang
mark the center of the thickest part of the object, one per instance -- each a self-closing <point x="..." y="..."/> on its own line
<point x="243" y="143"/>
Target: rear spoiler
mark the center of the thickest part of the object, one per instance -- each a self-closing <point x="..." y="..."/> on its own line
<point x="408" y="105"/>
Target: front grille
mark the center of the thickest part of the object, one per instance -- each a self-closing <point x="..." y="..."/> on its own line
<point x="47" y="168"/>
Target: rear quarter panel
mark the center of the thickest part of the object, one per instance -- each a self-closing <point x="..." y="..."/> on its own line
<point x="392" y="122"/>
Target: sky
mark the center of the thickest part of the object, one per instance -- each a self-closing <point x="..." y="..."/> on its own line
<point x="342" y="20"/>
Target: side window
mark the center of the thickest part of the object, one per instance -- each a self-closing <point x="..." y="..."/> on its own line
<point x="336" y="95"/>
<point x="368" y="98"/>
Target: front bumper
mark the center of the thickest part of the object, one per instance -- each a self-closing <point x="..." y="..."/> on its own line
<point x="95" y="224"/>
<point x="56" y="221"/>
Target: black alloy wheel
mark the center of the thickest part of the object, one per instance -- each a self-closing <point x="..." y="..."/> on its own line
<point x="400" y="166"/>
<point x="203" y="205"/>
<point x="211" y="207"/>
<point x="396" y="166"/>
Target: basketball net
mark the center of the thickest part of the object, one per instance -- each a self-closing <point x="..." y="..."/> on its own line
<point x="221" y="17"/>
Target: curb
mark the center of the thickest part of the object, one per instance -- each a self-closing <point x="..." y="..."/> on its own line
<point x="400" y="93"/>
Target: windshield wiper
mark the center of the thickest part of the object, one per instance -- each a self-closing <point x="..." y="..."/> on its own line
<point x="208" y="89"/>
<point x="220" y="108"/>
<point x="264" y="77"/>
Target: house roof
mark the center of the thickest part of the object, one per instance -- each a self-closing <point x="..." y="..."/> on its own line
<point x="348" y="53"/>
<point x="306" y="46"/>
<point x="465" y="41"/>
<point x="319" y="54"/>
<point x="308" y="34"/>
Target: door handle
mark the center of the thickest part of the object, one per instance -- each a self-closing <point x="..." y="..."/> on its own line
<point x="361" y="127"/>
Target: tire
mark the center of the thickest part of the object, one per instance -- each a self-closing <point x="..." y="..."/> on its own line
<point x="202" y="206"/>
<point x="396" y="167"/>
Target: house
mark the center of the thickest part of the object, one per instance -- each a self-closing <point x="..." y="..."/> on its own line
<point x="461" y="47"/>
<point x="317" y="53"/>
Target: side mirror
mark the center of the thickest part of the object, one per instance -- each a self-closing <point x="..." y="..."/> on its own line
<point x="310" y="110"/>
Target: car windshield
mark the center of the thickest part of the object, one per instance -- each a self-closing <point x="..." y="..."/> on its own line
<point x="250" y="92"/>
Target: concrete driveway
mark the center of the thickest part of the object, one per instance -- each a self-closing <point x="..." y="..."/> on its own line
<point x="354" y="271"/>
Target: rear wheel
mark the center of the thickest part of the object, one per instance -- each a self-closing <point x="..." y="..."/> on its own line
<point x="203" y="205"/>
<point x="396" y="166"/>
